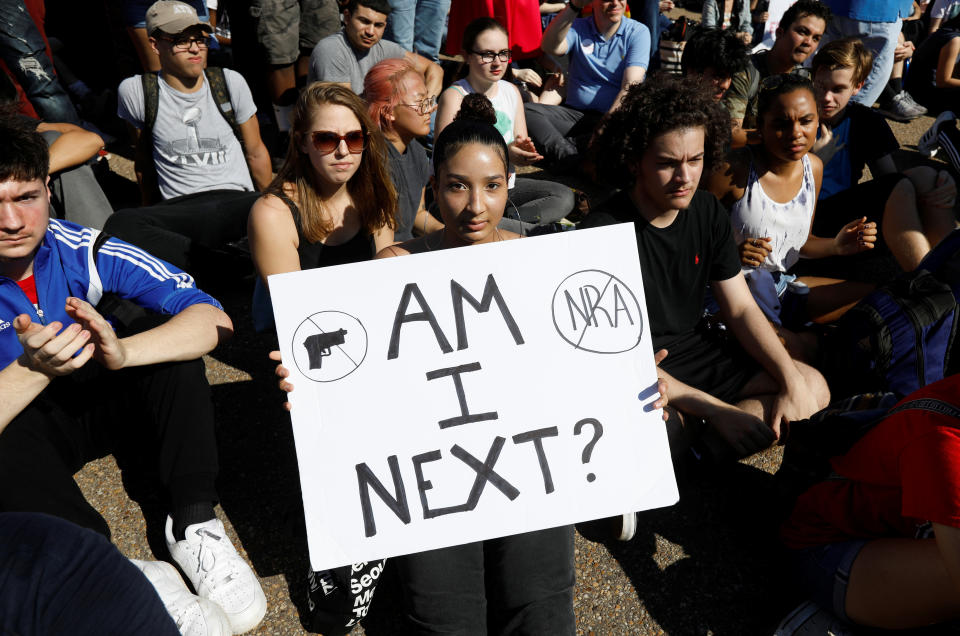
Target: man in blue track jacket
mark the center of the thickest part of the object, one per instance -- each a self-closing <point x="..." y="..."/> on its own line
<point x="72" y="389"/>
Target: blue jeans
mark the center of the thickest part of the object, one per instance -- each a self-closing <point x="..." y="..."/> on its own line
<point x="823" y="572"/>
<point x="417" y="25"/>
<point x="23" y="51"/>
<point x="881" y="39"/>
<point x="648" y="12"/>
<point x="59" y="578"/>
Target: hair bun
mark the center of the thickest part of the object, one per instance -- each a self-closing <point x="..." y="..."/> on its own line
<point x="477" y="107"/>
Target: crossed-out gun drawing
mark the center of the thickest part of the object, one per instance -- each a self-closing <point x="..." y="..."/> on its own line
<point x="318" y="346"/>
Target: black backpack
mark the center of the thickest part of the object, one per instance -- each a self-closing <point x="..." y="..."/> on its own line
<point x="831" y="433"/>
<point x="902" y="336"/>
<point x="143" y="159"/>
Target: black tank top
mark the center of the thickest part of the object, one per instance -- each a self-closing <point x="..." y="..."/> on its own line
<point x="313" y="255"/>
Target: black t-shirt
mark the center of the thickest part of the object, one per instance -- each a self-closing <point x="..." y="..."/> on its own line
<point x="410" y="172"/>
<point x="677" y="261"/>
<point x="866" y="137"/>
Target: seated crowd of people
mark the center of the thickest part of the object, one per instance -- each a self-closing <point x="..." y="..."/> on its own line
<point x="744" y="179"/>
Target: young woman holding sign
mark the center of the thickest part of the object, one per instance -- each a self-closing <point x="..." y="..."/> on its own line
<point x="521" y="583"/>
<point x="332" y="201"/>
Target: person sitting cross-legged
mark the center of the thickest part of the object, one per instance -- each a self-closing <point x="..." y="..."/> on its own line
<point x="666" y="134"/>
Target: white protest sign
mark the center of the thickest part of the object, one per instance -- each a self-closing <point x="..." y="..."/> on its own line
<point x="774" y="14"/>
<point x="472" y="393"/>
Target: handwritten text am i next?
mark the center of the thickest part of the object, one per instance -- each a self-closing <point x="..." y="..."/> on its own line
<point x="472" y="393"/>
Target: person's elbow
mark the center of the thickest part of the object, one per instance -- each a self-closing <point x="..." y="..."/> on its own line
<point x="222" y="323"/>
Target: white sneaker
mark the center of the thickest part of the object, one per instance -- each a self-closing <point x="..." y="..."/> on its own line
<point x="218" y="573"/>
<point x="809" y="619"/>
<point x="193" y="615"/>
<point x="928" y="144"/>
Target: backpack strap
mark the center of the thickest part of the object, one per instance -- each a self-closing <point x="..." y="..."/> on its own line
<point x="221" y="95"/>
<point x="143" y="155"/>
<point x="931" y="405"/>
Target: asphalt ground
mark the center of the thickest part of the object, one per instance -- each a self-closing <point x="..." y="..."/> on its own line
<point x="708" y="565"/>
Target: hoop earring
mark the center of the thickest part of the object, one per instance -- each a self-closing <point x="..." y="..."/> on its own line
<point x="516" y="210"/>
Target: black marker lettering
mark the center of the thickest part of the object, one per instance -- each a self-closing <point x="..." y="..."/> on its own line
<point x="537" y="438"/>
<point x="490" y="293"/>
<point x="397" y="503"/>
<point x="426" y="314"/>
<point x="466" y="417"/>
<point x="485" y="473"/>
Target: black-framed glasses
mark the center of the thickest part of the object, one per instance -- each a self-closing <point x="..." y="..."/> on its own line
<point x="326" y="141"/>
<point x="487" y="56"/>
<point x="798" y="76"/>
<point x="186" y="43"/>
<point x="424" y="106"/>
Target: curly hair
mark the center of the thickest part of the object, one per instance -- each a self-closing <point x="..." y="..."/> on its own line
<point x="477" y="106"/>
<point x="718" y="49"/>
<point x="370" y="187"/>
<point x="661" y="104"/>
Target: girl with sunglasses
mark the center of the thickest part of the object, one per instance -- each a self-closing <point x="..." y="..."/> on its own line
<point x="332" y="201"/>
<point x="399" y="104"/>
<point x="771" y="190"/>
<point x="487" y="56"/>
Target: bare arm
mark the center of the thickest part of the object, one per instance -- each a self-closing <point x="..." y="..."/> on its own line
<point x="423" y="222"/>
<point x="258" y="159"/>
<point x="447" y="109"/>
<point x="273" y="237"/>
<point x="554" y="40"/>
<point x="73" y="147"/>
<point x="382" y="238"/>
<point x="432" y="73"/>
<point x="631" y="75"/>
<point x="946" y="65"/>
<point x="755" y="334"/>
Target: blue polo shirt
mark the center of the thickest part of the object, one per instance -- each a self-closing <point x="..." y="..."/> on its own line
<point x="597" y="65"/>
<point x="871" y="10"/>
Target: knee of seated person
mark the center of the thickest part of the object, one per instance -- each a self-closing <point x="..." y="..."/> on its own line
<point x="923" y="178"/>
<point x="122" y="221"/>
<point x="817" y="385"/>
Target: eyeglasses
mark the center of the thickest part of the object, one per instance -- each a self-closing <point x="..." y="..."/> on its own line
<point x="487" y="56"/>
<point x="185" y="44"/>
<point x="798" y="76"/>
<point x="326" y="141"/>
<point x="424" y="106"/>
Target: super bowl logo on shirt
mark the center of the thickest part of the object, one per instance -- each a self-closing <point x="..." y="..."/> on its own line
<point x="192" y="149"/>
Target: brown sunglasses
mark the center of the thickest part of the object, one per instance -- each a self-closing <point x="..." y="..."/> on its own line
<point x="326" y="141"/>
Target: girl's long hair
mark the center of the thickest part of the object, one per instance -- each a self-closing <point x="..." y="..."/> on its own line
<point x="370" y="187"/>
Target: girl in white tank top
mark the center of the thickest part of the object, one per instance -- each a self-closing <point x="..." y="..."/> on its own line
<point x="487" y="56"/>
<point x="771" y="191"/>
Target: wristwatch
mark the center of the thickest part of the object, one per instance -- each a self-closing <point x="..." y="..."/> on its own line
<point x="575" y="8"/>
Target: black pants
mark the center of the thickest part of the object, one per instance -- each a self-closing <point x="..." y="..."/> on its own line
<point x="560" y="133"/>
<point x="179" y="230"/>
<point x="521" y="584"/>
<point x="156" y="419"/>
<point x="58" y="578"/>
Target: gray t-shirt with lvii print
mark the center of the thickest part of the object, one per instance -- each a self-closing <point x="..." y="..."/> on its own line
<point x="194" y="148"/>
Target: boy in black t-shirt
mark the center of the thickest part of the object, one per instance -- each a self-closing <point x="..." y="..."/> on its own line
<point x="665" y="134"/>
<point x="914" y="207"/>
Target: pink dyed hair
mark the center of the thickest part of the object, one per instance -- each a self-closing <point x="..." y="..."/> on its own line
<point x="381" y="89"/>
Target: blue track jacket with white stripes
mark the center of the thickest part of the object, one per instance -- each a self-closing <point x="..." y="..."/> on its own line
<point x="63" y="266"/>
